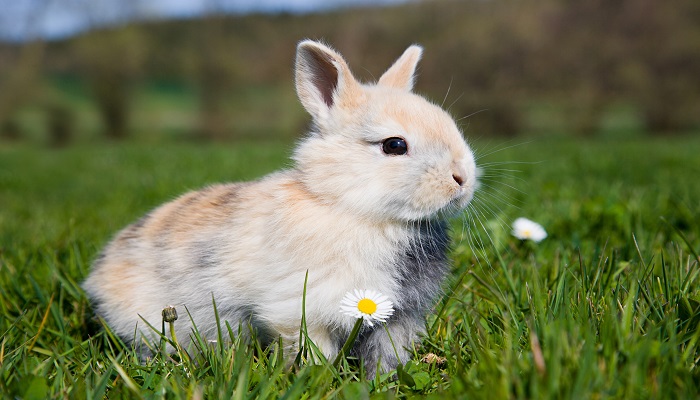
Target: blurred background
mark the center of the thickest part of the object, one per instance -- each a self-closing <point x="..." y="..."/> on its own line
<point x="77" y="71"/>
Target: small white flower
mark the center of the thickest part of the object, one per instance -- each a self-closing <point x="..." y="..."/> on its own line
<point x="367" y="304"/>
<point x="524" y="229"/>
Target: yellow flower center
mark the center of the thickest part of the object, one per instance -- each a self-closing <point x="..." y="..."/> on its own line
<point x="367" y="306"/>
<point x="527" y="233"/>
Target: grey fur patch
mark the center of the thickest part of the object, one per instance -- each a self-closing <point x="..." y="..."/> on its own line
<point x="205" y="255"/>
<point x="375" y="347"/>
<point x="422" y="267"/>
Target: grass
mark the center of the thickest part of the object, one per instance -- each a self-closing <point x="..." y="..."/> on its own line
<point x="606" y="307"/>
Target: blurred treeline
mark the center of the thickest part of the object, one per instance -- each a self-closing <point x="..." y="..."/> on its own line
<point x="506" y="67"/>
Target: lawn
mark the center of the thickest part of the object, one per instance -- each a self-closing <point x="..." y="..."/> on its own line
<point x="608" y="306"/>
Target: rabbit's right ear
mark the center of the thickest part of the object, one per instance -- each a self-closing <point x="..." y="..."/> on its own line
<point x="401" y="75"/>
<point x="323" y="79"/>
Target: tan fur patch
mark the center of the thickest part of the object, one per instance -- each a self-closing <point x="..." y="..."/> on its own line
<point x="352" y="95"/>
<point x="411" y="119"/>
<point x="117" y="285"/>
<point x="174" y="222"/>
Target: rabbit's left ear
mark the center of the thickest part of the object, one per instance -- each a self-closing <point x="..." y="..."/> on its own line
<point x="323" y="79"/>
<point x="401" y="74"/>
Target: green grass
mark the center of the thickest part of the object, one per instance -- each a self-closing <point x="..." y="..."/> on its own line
<point x="606" y="307"/>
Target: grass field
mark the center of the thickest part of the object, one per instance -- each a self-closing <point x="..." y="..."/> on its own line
<point x="608" y="306"/>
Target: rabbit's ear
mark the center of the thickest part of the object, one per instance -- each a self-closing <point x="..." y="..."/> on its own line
<point x="323" y="78"/>
<point x="401" y="74"/>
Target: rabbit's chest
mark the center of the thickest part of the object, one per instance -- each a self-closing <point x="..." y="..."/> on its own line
<point x="410" y="272"/>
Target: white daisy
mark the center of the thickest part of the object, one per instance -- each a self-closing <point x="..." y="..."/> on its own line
<point x="524" y="229"/>
<point x="367" y="304"/>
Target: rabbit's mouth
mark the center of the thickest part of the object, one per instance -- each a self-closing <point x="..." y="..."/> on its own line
<point x="456" y="205"/>
<point x="463" y="197"/>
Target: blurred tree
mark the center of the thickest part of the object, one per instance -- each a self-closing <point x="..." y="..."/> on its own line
<point x="60" y="124"/>
<point x="214" y="77"/>
<point x="504" y="61"/>
<point x="484" y="61"/>
<point x="214" y="66"/>
<point x="663" y="66"/>
<point x="111" y="61"/>
<point x="20" y="80"/>
<point x="20" y="73"/>
<point x="642" y="52"/>
<point x="9" y="129"/>
<point x="577" y="62"/>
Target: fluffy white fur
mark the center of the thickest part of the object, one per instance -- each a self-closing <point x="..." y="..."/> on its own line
<point x="347" y="213"/>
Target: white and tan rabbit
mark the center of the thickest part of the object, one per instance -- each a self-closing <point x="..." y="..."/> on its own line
<point x="362" y="208"/>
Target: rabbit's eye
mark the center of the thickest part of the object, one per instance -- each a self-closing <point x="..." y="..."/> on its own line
<point x="394" y="146"/>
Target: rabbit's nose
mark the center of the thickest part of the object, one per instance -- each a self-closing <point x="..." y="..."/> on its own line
<point x="459" y="173"/>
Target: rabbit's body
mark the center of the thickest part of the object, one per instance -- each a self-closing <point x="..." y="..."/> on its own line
<point x="178" y="255"/>
<point x="348" y="212"/>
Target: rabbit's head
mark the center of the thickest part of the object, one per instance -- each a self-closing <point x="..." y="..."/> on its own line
<point x="379" y="150"/>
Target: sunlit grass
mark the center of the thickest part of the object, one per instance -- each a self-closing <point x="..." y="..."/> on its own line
<point x="605" y="307"/>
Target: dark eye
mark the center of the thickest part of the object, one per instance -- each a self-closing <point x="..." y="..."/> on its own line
<point x="394" y="146"/>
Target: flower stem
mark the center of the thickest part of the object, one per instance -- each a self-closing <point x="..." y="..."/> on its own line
<point x="172" y="333"/>
<point x="393" y="346"/>
<point x="348" y="343"/>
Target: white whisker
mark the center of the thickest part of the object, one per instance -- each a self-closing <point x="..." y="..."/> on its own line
<point x="442" y="105"/>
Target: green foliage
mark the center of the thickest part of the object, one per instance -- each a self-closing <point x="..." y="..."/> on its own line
<point x="489" y="60"/>
<point x="608" y="306"/>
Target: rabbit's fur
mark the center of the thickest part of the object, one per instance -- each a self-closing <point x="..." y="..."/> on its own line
<point x="346" y="212"/>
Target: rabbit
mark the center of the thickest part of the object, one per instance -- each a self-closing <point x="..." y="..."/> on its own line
<point x="363" y="206"/>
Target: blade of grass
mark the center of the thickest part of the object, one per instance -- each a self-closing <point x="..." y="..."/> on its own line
<point x="41" y="325"/>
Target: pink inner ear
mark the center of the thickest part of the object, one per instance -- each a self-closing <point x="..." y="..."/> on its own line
<point x="325" y="76"/>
